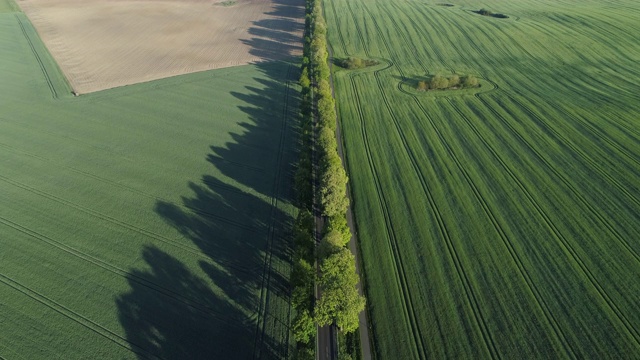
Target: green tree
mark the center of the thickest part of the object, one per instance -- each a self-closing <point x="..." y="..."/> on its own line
<point x="331" y="243"/>
<point x="327" y="140"/>
<point x="333" y="191"/>
<point x="439" y="82"/>
<point x="340" y="301"/>
<point x="306" y="352"/>
<point x="303" y="235"/>
<point x="338" y="223"/>
<point x="469" y="81"/>
<point x="303" y="326"/>
<point x="304" y="78"/>
<point x="303" y="182"/>
<point x="454" y="81"/>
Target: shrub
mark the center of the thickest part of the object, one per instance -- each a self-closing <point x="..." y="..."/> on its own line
<point x="423" y="85"/>
<point x="454" y="81"/>
<point x="333" y="195"/>
<point x="304" y="78"/>
<point x="327" y="140"/>
<point x="304" y="328"/>
<point x="302" y="183"/>
<point x="303" y="235"/>
<point x="331" y="243"/>
<point x="439" y="82"/>
<point x="339" y="224"/>
<point x="469" y="81"/>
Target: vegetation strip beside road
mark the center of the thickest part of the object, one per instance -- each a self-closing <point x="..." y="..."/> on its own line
<point x="339" y="303"/>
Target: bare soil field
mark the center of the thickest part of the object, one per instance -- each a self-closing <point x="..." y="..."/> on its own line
<point x="104" y="44"/>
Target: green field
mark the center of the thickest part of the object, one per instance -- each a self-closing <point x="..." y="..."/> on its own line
<point x="502" y="222"/>
<point x="145" y="221"/>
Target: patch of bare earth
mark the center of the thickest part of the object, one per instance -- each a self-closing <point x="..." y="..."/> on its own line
<point x="101" y="44"/>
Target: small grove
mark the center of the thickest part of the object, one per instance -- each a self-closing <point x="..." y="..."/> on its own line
<point x="485" y="12"/>
<point x="340" y="302"/>
<point x="353" y="63"/>
<point x="452" y="82"/>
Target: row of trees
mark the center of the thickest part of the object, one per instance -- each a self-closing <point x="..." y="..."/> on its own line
<point x="340" y="302"/>
<point x="439" y="82"/>
<point x="303" y="275"/>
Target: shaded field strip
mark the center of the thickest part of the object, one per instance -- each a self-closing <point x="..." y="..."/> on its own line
<point x="117" y="184"/>
<point x="78" y="318"/>
<point x="37" y="56"/>
<point x="266" y="273"/>
<point x="462" y="274"/>
<point x="566" y="245"/>
<point x="578" y="195"/>
<point x="203" y="308"/>
<point x="408" y="318"/>
<point x="239" y="164"/>
<point x="127" y="225"/>
<point x="117" y="222"/>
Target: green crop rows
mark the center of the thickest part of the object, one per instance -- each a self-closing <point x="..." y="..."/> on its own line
<point x="145" y="221"/>
<point x="505" y="222"/>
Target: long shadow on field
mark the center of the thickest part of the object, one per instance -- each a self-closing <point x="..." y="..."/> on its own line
<point x="278" y="38"/>
<point x="176" y="321"/>
<point x="238" y="305"/>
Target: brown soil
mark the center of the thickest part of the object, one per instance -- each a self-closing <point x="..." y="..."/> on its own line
<point x="101" y="44"/>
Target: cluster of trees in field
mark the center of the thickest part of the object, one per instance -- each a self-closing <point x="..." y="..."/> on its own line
<point x="353" y="63"/>
<point x="340" y="302"/>
<point x="485" y="12"/>
<point x="439" y="82"/>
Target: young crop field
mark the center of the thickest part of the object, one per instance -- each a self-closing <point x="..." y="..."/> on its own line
<point x="148" y="221"/>
<point x="501" y="221"/>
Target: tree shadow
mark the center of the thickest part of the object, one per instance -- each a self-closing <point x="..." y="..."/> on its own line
<point x="239" y="223"/>
<point x="280" y="36"/>
<point x="293" y="9"/>
<point x="238" y="216"/>
<point x="175" y="321"/>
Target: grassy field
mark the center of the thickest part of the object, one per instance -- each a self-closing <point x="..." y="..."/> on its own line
<point x="145" y="221"/>
<point x="502" y="222"/>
